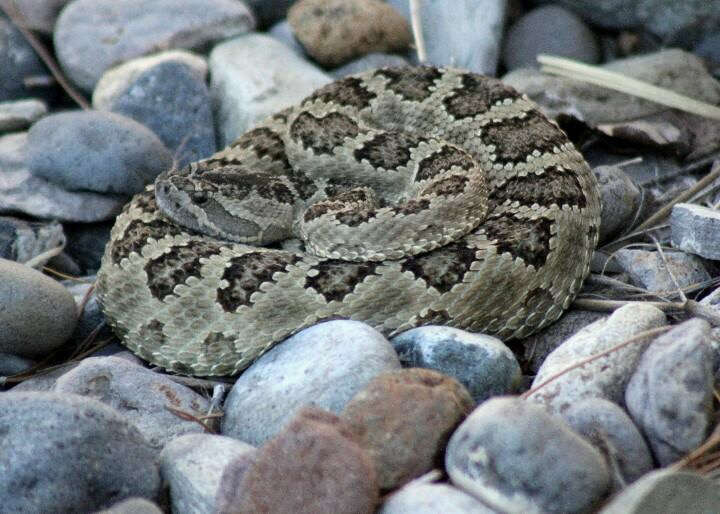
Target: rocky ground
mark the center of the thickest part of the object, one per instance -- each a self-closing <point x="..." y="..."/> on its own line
<point x="612" y="409"/>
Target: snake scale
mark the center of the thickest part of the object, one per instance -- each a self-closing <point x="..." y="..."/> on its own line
<point x="399" y="197"/>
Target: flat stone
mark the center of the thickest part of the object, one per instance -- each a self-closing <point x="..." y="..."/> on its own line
<point x="432" y="499"/>
<point x="96" y="151"/>
<point x="93" y="35"/>
<point x="604" y="377"/>
<point x="335" y="31"/>
<point x="254" y="76"/>
<point x="37" y="313"/>
<point x="193" y="465"/>
<point x="141" y="395"/>
<point x="461" y="33"/>
<point x="282" y="31"/>
<point x="673" y="69"/>
<point x="494" y="456"/>
<point x="482" y="363"/>
<point x="324" y="365"/>
<point x="133" y="506"/>
<point x="13" y="364"/>
<point x="694" y="228"/>
<point x="98" y="458"/>
<point x="621" y="199"/>
<point x="552" y="30"/>
<point x="608" y="427"/>
<point x="666" y="490"/>
<point x="20" y="114"/>
<point x="647" y="269"/>
<point x="173" y="101"/>
<point x="314" y="465"/>
<point x="404" y="419"/>
<point x="670" y="395"/>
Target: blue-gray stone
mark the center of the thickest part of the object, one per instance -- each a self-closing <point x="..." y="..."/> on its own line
<point x="96" y="151"/>
<point x="483" y="364"/>
<point x="18" y="61"/>
<point x="172" y="101"/>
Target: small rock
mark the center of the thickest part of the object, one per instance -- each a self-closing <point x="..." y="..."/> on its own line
<point x="39" y="15"/>
<point x="269" y="11"/>
<point x="43" y="382"/>
<point x="648" y="270"/>
<point x="22" y="192"/>
<point x="170" y="99"/>
<point x="369" y="62"/>
<point x="96" y="151"/>
<point x="92" y="316"/>
<point x="98" y="458"/>
<point x="674" y="69"/>
<point x="666" y="490"/>
<point x="20" y="114"/>
<point x="22" y="240"/>
<point x="610" y="430"/>
<point x="432" y="499"/>
<point x="539" y="345"/>
<point x="335" y="31"/>
<point x="670" y="395"/>
<point x="12" y="364"/>
<point x="481" y="363"/>
<point x="461" y="33"/>
<point x="314" y="465"/>
<point x="93" y="35"/>
<point x="694" y="229"/>
<point x="282" y="31"/>
<point x="145" y="398"/>
<point x="621" y="199"/>
<point x="255" y="76"/>
<point x="494" y="456"/>
<point x="193" y="464"/>
<point x="404" y="418"/>
<point x="604" y="377"/>
<point x="37" y="314"/>
<point x="549" y="30"/>
<point x="133" y="506"/>
<point x="324" y="365"/>
<point x="18" y="61"/>
<point x="664" y="18"/>
<point x="118" y="79"/>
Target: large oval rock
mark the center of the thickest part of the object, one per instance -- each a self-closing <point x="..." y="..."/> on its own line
<point x="324" y="365"/>
<point x="516" y="457"/>
<point x="96" y="151"/>
<point x="66" y="453"/>
<point x="37" y="314"/>
<point x="93" y="35"/>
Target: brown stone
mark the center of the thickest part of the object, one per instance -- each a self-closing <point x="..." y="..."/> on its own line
<point x="315" y="465"/>
<point x="335" y="31"/>
<point x="405" y="418"/>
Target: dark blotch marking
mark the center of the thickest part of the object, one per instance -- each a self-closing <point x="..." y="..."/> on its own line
<point x="554" y="186"/>
<point x="264" y="143"/>
<point x="175" y="266"/>
<point x="136" y="235"/>
<point x="432" y="317"/>
<point x="411" y="83"/>
<point x="348" y="91"/>
<point x="476" y="95"/>
<point x="354" y="218"/>
<point x="388" y="150"/>
<point x="452" y="185"/>
<point x="245" y="274"/>
<point x="442" y="268"/>
<point x="336" y="278"/>
<point x="152" y="333"/>
<point x="411" y="207"/>
<point x="516" y="138"/>
<point x="443" y="160"/>
<point x="242" y="184"/>
<point x="216" y="343"/>
<point x="323" y="134"/>
<point x="527" y="239"/>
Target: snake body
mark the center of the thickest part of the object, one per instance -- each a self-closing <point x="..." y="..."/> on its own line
<point x="399" y="197"/>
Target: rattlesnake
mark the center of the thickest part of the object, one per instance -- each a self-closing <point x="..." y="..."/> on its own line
<point x="420" y="196"/>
